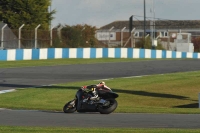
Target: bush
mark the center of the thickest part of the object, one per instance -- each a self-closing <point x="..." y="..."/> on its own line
<point x="196" y="42"/>
<point x="147" y="44"/>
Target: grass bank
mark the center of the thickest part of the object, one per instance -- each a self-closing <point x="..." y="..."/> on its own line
<point x="169" y="93"/>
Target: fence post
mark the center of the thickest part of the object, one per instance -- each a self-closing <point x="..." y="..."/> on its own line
<point x="36" y="35"/>
<point x="109" y="34"/>
<point x="132" y="38"/>
<point x="2" y="35"/>
<point x="122" y="36"/>
<point x="59" y="32"/>
<point x="19" y="41"/>
<point x="51" y="37"/>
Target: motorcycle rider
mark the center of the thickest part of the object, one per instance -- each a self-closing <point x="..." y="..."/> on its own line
<point x="100" y="86"/>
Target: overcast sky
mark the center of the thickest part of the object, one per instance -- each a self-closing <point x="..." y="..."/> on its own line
<point x="101" y="12"/>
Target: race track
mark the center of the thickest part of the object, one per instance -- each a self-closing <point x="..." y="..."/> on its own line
<point x="89" y="120"/>
<point x="37" y="76"/>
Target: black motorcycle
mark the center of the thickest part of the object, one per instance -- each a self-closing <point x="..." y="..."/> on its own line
<point x="105" y="103"/>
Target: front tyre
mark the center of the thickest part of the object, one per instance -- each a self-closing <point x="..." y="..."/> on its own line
<point x="70" y="107"/>
<point x="108" y="107"/>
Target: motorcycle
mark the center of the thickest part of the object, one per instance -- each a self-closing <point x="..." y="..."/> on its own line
<point x="105" y="103"/>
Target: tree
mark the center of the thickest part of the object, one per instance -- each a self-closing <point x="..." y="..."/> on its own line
<point x="79" y="36"/>
<point x="28" y="12"/>
<point x="72" y="37"/>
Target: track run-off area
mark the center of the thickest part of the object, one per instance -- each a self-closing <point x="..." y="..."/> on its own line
<point x="12" y="78"/>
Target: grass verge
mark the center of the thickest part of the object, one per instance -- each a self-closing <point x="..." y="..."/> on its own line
<point x="169" y="93"/>
<point x="52" y="62"/>
<point x="7" y="129"/>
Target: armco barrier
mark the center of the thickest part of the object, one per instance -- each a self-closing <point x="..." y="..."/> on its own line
<point x="58" y="53"/>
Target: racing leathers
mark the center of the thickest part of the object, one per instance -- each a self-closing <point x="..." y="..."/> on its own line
<point x="95" y="89"/>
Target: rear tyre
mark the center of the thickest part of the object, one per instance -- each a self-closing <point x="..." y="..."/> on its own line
<point x="108" y="107"/>
<point x="69" y="107"/>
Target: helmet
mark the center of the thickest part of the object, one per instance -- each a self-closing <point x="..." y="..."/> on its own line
<point x="102" y="82"/>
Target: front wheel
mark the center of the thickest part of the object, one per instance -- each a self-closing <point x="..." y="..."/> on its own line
<point x="70" y="107"/>
<point x="108" y="107"/>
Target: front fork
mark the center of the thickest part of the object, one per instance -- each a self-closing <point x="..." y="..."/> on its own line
<point x="73" y="103"/>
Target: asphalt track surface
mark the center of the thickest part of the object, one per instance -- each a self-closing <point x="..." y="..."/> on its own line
<point x="12" y="78"/>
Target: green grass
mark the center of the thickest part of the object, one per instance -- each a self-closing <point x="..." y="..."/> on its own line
<point x="52" y="62"/>
<point x="6" y="129"/>
<point x="169" y="93"/>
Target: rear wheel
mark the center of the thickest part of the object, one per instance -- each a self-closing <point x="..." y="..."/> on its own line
<point x="70" y="107"/>
<point x="108" y="107"/>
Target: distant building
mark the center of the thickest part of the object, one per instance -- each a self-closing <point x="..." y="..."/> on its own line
<point x="165" y="30"/>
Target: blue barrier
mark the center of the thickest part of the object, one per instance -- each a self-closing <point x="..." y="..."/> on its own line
<point x="59" y="53"/>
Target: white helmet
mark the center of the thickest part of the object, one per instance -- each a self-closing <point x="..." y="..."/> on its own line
<point x="102" y="82"/>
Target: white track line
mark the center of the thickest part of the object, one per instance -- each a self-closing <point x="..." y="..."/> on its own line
<point x="123" y="77"/>
<point x="6" y="91"/>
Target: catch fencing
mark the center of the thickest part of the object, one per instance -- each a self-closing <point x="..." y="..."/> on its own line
<point x="112" y="38"/>
<point x="27" y="39"/>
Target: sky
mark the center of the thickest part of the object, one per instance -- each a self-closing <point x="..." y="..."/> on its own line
<point x="102" y="12"/>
